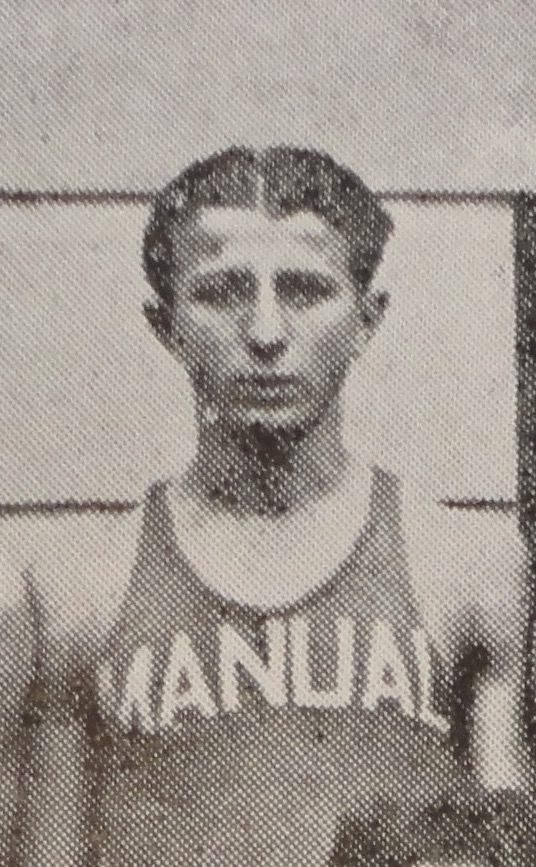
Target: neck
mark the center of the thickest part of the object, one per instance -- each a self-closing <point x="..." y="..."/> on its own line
<point x="257" y="470"/>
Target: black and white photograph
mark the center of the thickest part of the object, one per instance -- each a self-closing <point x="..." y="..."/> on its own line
<point x="268" y="461"/>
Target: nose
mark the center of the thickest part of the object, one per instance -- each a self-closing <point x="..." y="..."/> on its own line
<point x="266" y="339"/>
<point x="266" y="352"/>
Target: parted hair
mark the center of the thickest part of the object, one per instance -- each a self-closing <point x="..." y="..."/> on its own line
<point x="292" y="180"/>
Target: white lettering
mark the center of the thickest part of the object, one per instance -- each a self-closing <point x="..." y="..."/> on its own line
<point x="422" y="653"/>
<point x="387" y="677"/>
<point x="270" y="677"/>
<point x="135" y="708"/>
<point x="184" y="684"/>
<point x="302" y="687"/>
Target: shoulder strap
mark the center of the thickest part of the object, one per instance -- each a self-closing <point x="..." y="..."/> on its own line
<point x="392" y="581"/>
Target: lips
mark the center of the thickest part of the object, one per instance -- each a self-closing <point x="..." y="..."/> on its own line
<point x="267" y="381"/>
<point x="267" y="389"/>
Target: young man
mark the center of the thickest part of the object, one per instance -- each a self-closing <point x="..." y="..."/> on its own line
<point x="262" y="665"/>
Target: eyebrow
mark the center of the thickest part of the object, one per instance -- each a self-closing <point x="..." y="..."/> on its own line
<point x="247" y="271"/>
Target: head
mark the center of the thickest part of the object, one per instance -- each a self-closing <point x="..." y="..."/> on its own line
<point x="261" y="264"/>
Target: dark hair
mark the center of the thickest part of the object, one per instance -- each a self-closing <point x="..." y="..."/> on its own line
<point x="294" y="180"/>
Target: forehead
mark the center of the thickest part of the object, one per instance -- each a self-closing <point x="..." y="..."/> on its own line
<point x="244" y="222"/>
<point x="218" y="235"/>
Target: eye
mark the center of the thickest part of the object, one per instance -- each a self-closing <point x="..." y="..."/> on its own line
<point x="222" y="288"/>
<point x="304" y="288"/>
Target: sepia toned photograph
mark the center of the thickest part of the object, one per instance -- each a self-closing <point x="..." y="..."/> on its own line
<point x="268" y="474"/>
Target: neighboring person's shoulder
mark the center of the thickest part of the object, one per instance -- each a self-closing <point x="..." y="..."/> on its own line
<point x="74" y="560"/>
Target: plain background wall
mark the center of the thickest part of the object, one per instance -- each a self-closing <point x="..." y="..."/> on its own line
<point x="413" y="93"/>
<point x="93" y="406"/>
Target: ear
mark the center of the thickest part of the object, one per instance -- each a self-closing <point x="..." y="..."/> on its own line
<point x="369" y="315"/>
<point x="159" y="320"/>
<point x="373" y="307"/>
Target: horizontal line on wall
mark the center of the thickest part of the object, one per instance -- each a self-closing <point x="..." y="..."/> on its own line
<point x="75" y="197"/>
<point x="481" y="504"/>
<point x="77" y="507"/>
<point x="450" y="197"/>
<point x="145" y="197"/>
<point x="49" y="507"/>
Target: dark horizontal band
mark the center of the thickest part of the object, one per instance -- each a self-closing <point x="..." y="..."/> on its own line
<point x="145" y="197"/>
<point x="51" y="507"/>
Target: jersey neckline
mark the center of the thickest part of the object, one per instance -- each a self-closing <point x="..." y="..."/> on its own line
<point x="322" y="587"/>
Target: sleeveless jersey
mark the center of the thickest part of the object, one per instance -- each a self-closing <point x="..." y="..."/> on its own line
<point x="225" y="735"/>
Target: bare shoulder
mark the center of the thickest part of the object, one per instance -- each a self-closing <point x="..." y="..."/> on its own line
<point x="469" y="567"/>
<point x="75" y="565"/>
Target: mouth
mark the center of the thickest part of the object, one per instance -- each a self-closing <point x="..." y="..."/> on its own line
<point x="267" y="390"/>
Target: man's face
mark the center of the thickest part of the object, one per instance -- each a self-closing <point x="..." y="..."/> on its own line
<point x="266" y="316"/>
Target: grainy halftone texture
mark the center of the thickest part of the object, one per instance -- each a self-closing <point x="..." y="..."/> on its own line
<point x="265" y="550"/>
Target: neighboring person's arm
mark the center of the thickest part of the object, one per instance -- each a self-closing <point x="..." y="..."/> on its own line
<point x="499" y="748"/>
<point x="54" y="824"/>
<point x="494" y="821"/>
<point x="16" y="671"/>
<point x="79" y="565"/>
<point x="472" y="566"/>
